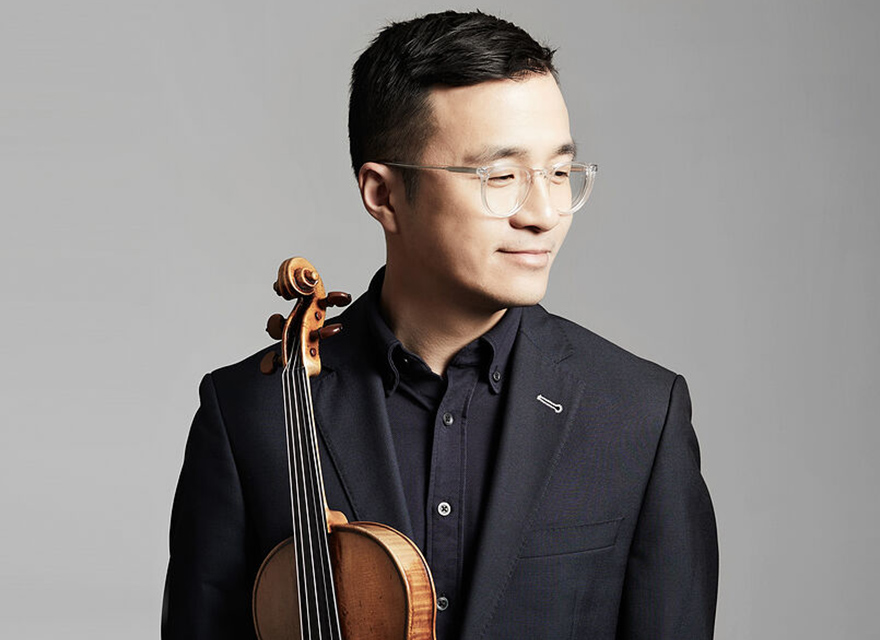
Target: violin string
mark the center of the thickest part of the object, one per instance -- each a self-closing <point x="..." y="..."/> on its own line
<point x="302" y="529"/>
<point x="324" y="592"/>
<point x="296" y="506"/>
<point x="332" y="610"/>
<point x="308" y="507"/>
<point x="315" y="586"/>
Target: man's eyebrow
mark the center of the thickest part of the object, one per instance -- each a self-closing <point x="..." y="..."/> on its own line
<point x="568" y="149"/>
<point x="489" y="155"/>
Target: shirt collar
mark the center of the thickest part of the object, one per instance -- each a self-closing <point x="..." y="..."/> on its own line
<point x="493" y="347"/>
<point x="384" y="339"/>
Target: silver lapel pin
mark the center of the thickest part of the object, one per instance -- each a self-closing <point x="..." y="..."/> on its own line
<point x="556" y="407"/>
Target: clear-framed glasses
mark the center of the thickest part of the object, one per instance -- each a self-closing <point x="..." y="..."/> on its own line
<point x="505" y="188"/>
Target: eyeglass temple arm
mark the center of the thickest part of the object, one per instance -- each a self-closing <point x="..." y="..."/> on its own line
<point x="461" y="169"/>
<point x="404" y="165"/>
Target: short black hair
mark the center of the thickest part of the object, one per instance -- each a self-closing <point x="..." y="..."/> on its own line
<point x="389" y="117"/>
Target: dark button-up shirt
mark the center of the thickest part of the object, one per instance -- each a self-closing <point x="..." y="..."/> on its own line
<point x="445" y="432"/>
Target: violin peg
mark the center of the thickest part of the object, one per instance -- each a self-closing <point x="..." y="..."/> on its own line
<point x="269" y="363"/>
<point x="335" y="299"/>
<point x="330" y="330"/>
<point x="275" y="326"/>
<point x="326" y="332"/>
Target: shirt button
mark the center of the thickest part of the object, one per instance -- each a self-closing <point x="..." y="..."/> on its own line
<point x="444" y="508"/>
<point x="442" y="603"/>
<point x="448" y="419"/>
<point x="496" y="375"/>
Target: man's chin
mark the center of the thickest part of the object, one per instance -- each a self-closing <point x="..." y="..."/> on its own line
<point x="524" y="296"/>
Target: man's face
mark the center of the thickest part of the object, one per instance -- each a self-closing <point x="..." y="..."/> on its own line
<point x="450" y="245"/>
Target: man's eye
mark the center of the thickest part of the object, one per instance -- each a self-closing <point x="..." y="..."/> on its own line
<point x="501" y="179"/>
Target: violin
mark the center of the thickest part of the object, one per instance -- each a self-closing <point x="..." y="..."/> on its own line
<point x="333" y="579"/>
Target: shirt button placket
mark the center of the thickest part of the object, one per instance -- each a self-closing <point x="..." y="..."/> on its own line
<point x="447" y="489"/>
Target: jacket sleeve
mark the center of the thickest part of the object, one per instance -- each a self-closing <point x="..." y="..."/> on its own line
<point x="207" y="587"/>
<point x="671" y="581"/>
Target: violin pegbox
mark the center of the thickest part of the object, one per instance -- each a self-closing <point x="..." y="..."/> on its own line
<point x="304" y="328"/>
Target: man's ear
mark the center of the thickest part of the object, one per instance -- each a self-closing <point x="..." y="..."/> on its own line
<point x="381" y="188"/>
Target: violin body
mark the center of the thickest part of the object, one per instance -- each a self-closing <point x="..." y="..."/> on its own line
<point x="384" y="589"/>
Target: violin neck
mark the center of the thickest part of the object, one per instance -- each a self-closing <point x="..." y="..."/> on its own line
<point x="319" y="616"/>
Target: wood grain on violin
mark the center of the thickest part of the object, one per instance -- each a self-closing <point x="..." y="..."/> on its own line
<point x="332" y="579"/>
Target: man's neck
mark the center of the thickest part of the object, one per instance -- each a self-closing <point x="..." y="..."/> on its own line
<point x="428" y="325"/>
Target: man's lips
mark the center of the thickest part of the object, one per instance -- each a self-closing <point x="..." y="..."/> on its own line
<point x="531" y="258"/>
<point x="526" y="251"/>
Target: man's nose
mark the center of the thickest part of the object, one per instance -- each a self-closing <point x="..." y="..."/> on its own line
<point x="538" y="210"/>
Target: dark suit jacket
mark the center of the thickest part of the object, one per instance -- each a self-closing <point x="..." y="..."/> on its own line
<point x="599" y="525"/>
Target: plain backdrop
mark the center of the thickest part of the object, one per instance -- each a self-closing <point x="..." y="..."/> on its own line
<point x="160" y="159"/>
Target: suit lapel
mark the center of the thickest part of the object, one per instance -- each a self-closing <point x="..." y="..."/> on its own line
<point x="533" y="434"/>
<point x="350" y="412"/>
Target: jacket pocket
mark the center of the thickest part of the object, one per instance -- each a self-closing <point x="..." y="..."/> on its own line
<point x="573" y="539"/>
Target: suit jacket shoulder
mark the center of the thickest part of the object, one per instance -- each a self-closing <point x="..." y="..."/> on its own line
<point x="596" y="360"/>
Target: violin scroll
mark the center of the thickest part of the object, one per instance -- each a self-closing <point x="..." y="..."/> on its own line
<point x="298" y="278"/>
<point x="304" y="327"/>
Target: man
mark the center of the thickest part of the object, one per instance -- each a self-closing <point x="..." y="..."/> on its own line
<point x="551" y="479"/>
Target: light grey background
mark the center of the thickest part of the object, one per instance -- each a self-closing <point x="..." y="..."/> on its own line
<point x="159" y="159"/>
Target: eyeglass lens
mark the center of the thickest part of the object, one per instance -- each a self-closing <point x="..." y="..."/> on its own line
<point x="506" y="188"/>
